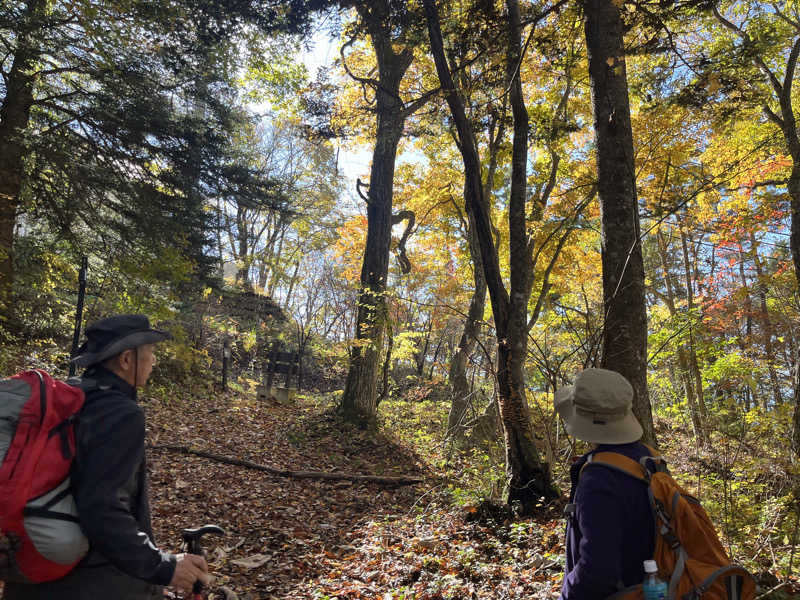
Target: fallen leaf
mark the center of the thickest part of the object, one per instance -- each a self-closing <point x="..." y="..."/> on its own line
<point x="252" y="562"/>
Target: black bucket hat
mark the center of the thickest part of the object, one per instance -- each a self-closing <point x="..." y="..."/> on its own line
<point x="108" y="337"/>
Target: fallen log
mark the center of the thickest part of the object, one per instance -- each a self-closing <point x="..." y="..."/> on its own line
<point x="398" y="481"/>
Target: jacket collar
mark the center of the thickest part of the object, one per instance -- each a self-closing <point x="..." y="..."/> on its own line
<point x="575" y="468"/>
<point x="106" y="378"/>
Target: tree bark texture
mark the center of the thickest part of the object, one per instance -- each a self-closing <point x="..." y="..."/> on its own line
<point x="359" y="402"/>
<point x="14" y="118"/>
<point x="625" y="328"/>
<point x="528" y="477"/>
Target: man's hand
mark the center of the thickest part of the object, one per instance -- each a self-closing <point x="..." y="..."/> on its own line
<point x="189" y="569"/>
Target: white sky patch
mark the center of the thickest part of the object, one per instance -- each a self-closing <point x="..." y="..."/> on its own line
<point x="354" y="161"/>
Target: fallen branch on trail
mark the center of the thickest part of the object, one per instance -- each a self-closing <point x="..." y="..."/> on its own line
<point x="292" y="474"/>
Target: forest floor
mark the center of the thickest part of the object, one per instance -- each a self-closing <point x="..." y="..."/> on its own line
<point x="306" y="538"/>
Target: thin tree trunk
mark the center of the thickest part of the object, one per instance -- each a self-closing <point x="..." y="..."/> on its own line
<point x="693" y="364"/>
<point x="243" y="272"/>
<point x="360" y="393"/>
<point x="435" y="357"/>
<point x="459" y="386"/>
<point x="683" y="362"/>
<point x="275" y="257"/>
<point x="625" y="329"/>
<point x="384" y="394"/>
<point x="420" y="357"/>
<point x="460" y="389"/>
<point x="292" y="283"/>
<point x="766" y="323"/>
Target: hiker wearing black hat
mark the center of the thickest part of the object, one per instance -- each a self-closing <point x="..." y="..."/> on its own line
<point x="109" y="477"/>
<point x="610" y="528"/>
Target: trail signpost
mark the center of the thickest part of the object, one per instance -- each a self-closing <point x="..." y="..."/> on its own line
<point x="282" y="363"/>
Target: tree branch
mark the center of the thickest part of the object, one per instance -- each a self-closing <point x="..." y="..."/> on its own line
<point x="364" y="80"/>
<point x="776" y="84"/>
<point x="780" y="14"/>
<point x="359" y="185"/>
<point x="790" y="123"/>
<point x="398" y="481"/>
<point x="402" y="258"/>
<point x="770" y="114"/>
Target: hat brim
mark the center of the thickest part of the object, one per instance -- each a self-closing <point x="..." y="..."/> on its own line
<point x="622" y="431"/>
<point x="133" y="340"/>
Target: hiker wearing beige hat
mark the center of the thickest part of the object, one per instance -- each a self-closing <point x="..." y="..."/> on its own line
<point x="610" y="528"/>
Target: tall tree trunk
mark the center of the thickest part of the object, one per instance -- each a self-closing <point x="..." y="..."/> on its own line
<point x="793" y="141"/>
<point x="14" y="119"/>
<point x="794" y="194"/>
<point x="625" y="329"/>
<point x="522" y="457"/>
<point x="360" y="392"/>
<point x="528" y="477"/>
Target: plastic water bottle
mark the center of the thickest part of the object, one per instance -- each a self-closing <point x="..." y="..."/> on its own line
<point x="653" y="587"/>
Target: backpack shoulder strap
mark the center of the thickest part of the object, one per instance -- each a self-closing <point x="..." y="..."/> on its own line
<point x="618" y="462"/>
<point x="86" y="384"/>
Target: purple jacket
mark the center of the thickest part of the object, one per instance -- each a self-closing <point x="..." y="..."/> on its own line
<point x="610" y="532"/>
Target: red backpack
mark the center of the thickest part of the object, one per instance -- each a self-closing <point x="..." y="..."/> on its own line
<point x="38" y="517"/>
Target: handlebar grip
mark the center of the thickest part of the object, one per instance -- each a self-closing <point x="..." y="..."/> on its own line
<point x="191" y="538"/>
<point x="195" y="534"/>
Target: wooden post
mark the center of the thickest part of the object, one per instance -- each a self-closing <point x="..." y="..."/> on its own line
<point x="299" y="371"/>
<point x="226" y="355"/>
<point x="271" y="367"/>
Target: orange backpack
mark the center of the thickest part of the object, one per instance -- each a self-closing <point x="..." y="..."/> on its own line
<point x="688" y="552"/>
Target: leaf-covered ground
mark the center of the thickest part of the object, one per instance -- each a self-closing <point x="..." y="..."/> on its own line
<point x="302" y="538"/>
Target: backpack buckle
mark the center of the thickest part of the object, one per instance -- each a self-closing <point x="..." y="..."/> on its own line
<point x="671" y="539"/>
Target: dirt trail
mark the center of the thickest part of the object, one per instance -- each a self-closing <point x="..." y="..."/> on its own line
<point x="330" y="539"/>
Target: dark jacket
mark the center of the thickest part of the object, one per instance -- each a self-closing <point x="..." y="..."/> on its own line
<point x="109" y="480"/>
<point x="610" y="529"/>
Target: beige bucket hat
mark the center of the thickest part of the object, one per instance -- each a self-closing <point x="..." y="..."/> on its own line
<point x="597" y="408"/>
